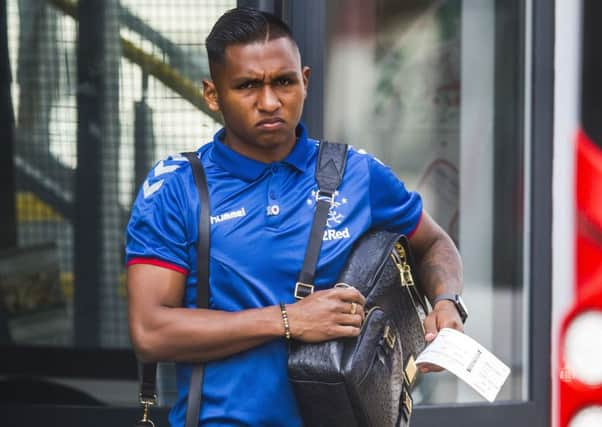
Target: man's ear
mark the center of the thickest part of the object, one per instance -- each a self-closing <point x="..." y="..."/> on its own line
<point x="306" y="72"/>
<point x="210" y="95"/>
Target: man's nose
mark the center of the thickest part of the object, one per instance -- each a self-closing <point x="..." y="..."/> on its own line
<point x="268" y="100"/>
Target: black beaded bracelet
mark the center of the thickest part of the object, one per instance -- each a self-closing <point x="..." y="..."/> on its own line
<point x="287" y="330"/>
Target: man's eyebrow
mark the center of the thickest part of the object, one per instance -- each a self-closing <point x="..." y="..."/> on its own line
<point x="247" y="79"/>
<point x="286" y="75"/>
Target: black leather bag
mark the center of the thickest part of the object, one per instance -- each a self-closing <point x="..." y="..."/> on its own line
<point x="367" y="380"/>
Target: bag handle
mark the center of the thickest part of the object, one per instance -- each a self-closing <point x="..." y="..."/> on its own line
<point x="148" y="395"/>
<point x="330" y="167"/>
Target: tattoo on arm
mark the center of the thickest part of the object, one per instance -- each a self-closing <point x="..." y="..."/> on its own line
<point x="440" y="268"/>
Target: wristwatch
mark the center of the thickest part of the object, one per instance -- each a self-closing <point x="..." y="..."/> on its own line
<point x="458" y="302"/>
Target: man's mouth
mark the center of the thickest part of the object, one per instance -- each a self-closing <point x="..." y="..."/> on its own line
<point x="271" y="123"/>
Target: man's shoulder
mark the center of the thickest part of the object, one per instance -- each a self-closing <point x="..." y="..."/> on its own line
<point x="166" y="175"/>
<point x="362" y="153"/>
<point x="353" y="153"/>
<point x="358" y="159"/>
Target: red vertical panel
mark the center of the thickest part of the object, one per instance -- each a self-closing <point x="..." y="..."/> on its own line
<point x="574" y="394"/>
<point x="588" y="189"/>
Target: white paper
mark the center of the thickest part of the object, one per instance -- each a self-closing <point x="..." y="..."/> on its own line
<point x="468" y="360"/>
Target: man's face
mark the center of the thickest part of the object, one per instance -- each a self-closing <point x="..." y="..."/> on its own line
<point x="260" y="89"/>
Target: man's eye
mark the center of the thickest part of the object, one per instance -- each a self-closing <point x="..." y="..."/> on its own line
<point x="247" y="85"/>
<point x="283" y="82"/>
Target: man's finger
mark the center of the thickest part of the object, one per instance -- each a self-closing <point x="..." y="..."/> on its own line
<point x="453" y="323"/>
<point x="361" y="312"/>
<point x="430" y="327"/>
<point x="429" y="367"/>
<point x="355" y="308"/>
<point x="350" y="294"/>
<point x="350" y="320"/>
<point x="348" y="331"/>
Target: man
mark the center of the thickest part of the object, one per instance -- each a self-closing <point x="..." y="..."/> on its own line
<point x="260" y="170"/>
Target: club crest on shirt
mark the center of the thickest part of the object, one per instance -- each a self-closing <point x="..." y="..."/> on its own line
<point x="335" y="217"/>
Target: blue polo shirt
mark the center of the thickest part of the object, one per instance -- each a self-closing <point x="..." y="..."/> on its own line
<point x="261" y="215"/>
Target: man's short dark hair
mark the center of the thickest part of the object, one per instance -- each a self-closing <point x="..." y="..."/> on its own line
<point x="243" y="25"/>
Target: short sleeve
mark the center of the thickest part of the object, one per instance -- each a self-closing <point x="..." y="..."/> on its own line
<point x="157" y="232"/>
<point x="393" y="207"/>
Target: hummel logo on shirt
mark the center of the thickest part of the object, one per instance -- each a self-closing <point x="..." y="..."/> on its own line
<point x="161" y="168"/>
<point x="228" y="215"/>
<point x="149" y="189"/>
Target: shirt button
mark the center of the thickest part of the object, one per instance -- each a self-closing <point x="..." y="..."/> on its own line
<point x="272" y="195"/>
<point x="274" y="168"/>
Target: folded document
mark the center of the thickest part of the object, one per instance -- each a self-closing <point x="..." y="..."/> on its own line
<point x="468" y="360"/>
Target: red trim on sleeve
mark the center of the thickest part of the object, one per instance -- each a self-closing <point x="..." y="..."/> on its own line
<point x="158" y="263"/>
<point x="411" y="233"/>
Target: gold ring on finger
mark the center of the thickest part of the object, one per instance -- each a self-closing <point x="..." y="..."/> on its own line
<point x="353" y="308"/>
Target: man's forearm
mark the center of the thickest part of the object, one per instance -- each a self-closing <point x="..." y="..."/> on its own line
<point x="188" y="335"/>
<point x="162" y="330"/>
<point x="440" y="268"/>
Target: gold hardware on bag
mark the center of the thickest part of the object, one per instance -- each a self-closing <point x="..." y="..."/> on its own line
<point x="147" y="402"/>
<point x="410" y="370"/>
<point x="389" y="337"/>
<point x="407" y="402"/>
<point x="405" y="272"/>
<point x="397" y="261"/>
<point x="407" y="275"/>
<point x="406" y="278"/>
<point x="401" y="252"/>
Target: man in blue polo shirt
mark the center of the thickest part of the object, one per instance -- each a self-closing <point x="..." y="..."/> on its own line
<point x="260" y="171"/>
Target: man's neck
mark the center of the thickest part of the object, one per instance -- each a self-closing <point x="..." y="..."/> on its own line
<point x="262" y="153"/>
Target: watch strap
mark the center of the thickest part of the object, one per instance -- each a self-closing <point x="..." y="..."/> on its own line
<point x="457" y="300"/>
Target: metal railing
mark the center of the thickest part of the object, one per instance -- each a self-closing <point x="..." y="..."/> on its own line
<point x="166" y="73"/>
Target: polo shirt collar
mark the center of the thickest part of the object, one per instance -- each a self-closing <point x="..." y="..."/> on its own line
<point x="249" y="169"/>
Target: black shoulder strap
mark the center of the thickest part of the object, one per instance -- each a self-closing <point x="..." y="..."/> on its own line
<point x="148" y="394"/>
<point x="202" y="285"/>
<point x="330" y="168"/>
<point x="203" y="245"/>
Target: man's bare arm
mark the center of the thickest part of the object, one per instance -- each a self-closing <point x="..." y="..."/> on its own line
<point x="440" y="271"/>
<point x="439" y="263"/>
<point x="162" y="330"/>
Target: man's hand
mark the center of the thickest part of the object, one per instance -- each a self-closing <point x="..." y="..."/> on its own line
<point x="327" y="314"/>
<point x="444" y="315"/>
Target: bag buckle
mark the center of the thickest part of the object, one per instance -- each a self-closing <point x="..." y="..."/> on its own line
<point x="147" y="400"/>
<point x="389" y="337"/>
<point x="408" y="279"/>
<point x="303" y="290"/>
<point x="326" y="196"/>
